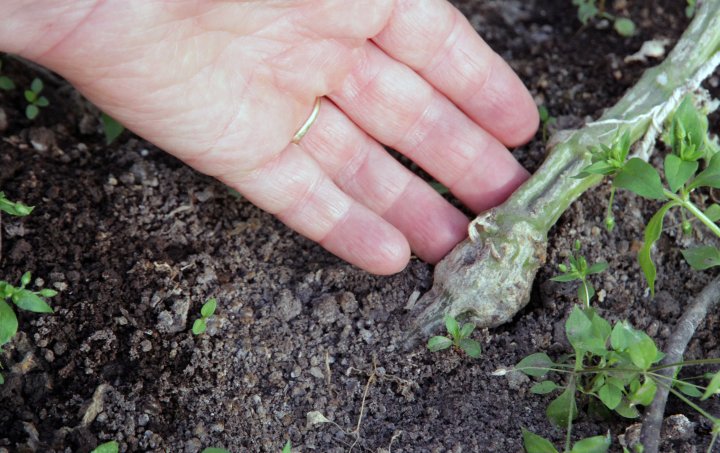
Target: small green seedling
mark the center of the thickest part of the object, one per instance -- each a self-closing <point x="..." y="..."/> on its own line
<point x="588" y="10"/>
<point x="215" y="450"/>
<point x="287" y="448"/>
<point x="615" y="369"/>
<point x="207" y="310"/>
<point x="460" y="338"/>
<point x="35" y="99"/>
<point x="6" y="82"/>
<point x="23" y="298"/>
<point x="111" y="127"/>
<point x="14" y="208"/>
<point x="546" y="120"/>
<point x="577" y="269"/>
<point x="107" y="447"/>
<point x="688" y="138"/>
<point x="690" y="8"/>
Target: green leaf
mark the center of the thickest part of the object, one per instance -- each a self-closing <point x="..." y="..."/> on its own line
<point x="563" y="408"/>
<point x="642" y="350"/>
<point x="36" y="85"/>
<point x="710" y="177"/>
<point x="111" y="127"/>
<point x="564" y="278"/>
<point x="216" y="450"/>
<point x="598" y="168"/>
<point x="678" y="171"/>
<point x="6" y="83"/>
<point x="621" y="336"/>
<point x="688" y="389"/>
<point x="652" y="234"/>
<point x="597" y="268"/>
<point x="645" y="394"/>
<point x="31" y="112"/>
<point x="544" y="387"/>
<point x="536" y="444"/>
<point x="692" y="123"/>
<point x="610" y="395"/>
<point x="30" y="96"/>
<point x="596" y="444"/>
<point x="208" y="308"/>
<point x="624" y="26"/>
<point x="439" y="343"/>
<point x="586" y="11"/>
<point x="713" y="387"/>
<point x="467" y="329"/>
<point x="452" y="326"/>
<point x="713" y="212"/>
<point x="471" y="347"/>
<point x="27" y="300"/>
<point x="544" y="114"/>
<point x="2" y="379"/>
<point x="199" y="326"/>
<point x="579" y="332"/>
<point x="536" y="365"/>
<point x="25" y="279"/>
<point x="701" y="258"/>
<point x="17" y="209"/>
<point x="625" y="410"/>
<point x="107" y="447"/>
<point x="641" y="178"/>
<point x="42" y="101"/>
<point x="287" y="448"/>
<point x="8" y="323"/>
<point x="600" y="327"/>
<point x="47" y="292"/>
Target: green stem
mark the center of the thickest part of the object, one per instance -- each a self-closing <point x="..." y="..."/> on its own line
<point x="694" y="406"/>
<point x="694" y="210"/>
<point x="568" y="433"/>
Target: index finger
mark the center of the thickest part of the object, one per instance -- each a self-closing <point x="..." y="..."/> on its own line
<point x="435" y="39"/>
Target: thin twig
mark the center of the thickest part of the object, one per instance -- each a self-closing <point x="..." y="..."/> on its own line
<point x="686" y="326"/>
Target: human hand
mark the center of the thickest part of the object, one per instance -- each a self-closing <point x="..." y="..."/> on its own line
<point x="224" y="86"/>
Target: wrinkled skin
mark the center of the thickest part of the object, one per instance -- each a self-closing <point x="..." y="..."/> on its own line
<point x="225" y="85"/>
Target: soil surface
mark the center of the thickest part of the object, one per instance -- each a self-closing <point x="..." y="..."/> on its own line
<point x="135" y="242"/>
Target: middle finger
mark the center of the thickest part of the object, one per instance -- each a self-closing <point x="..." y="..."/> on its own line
<point x="399" y="108"/>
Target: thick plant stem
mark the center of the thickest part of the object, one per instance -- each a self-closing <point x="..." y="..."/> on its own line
<point x="487" y="278"/>
<point x="674" y="350"/>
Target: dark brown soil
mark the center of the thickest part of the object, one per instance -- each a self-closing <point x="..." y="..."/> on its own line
<point x="135" y="242"/>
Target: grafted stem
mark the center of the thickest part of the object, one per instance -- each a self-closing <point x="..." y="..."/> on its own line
<point x="487" y="278"/>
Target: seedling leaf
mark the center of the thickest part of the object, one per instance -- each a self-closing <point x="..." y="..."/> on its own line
<point x="42" y="101"/>
<point x="597" y="268"/>
<point x="536" y="365"/>
<point x="452" y="326"/>
<point x="710" y="177"/>
<point x="645" y="394"/>
<point x="439" y="343"/>
<point x="652" y="234"/>
<point x="36" y="86"/>
<point x="678" y="171"/>
<point x="563" y="408"/>
<point x="641" y="178"/>
<point x="713" y="212"/>
<point x="8" y="322"/>
<point x="27" y="300"/>
<point x="543" y="387"/>
<point x="688" y="389"/>
<point x="467" y="329"/>
<point x="642" y="350"/>
<point x="107" y="447"/>
<point x="713" y="387"/>
<point x="208" y="308"/>
<point x="6" y="83"/>
<point x="596" y="444"/>
<point x="199" y="326"/>
<point x="624" y="26"/>
<point x="215" y="450"/>
<point x="471" y="347"/>
<point x="31" y="112"/>
<point x="287" y="448"/>
<point x="112" y="128"/>
<point x="701" y="258"/>
<point x="610" y="395"/>
<point x="536" y="444"/>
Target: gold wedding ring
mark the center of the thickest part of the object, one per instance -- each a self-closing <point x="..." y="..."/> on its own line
<point x="308" y="123"/>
